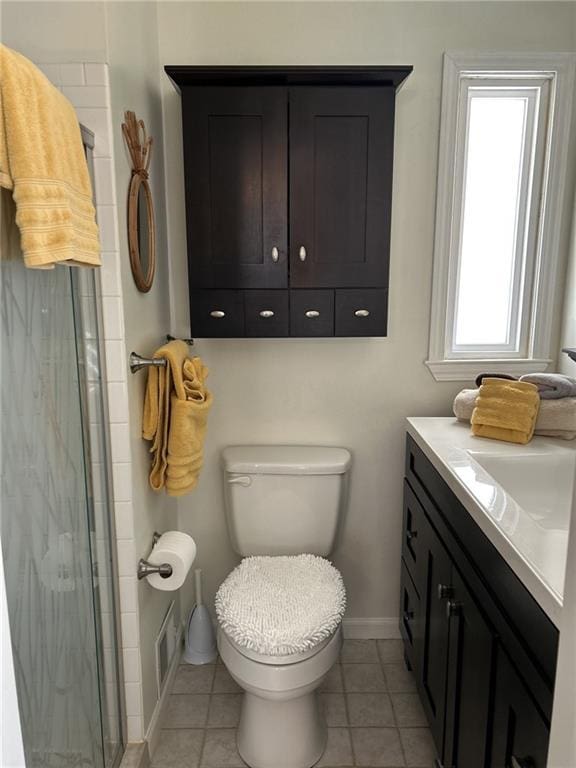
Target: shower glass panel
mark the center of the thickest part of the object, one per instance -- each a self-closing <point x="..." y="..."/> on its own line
<point x="55" y="518"/>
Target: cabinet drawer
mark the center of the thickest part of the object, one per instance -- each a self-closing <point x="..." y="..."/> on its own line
<point x="361" y="312"/>
<point x="413" y="550"/>
<point x="266" y="313"/>
<point x="311" y="313"/>
<point x="217" y="314"/>
<point x="410" y="620"/>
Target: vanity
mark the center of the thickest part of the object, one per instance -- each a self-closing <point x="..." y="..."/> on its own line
<point x="484" y="541"/>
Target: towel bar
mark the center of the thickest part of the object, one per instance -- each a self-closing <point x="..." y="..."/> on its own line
<point x="137" y="362"/>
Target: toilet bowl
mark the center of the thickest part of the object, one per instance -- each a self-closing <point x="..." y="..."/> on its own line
<point x="280" y="611"/>
<point x="280" y="724"/>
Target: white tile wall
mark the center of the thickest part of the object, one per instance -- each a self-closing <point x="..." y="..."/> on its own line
<point x="86" y="85"/>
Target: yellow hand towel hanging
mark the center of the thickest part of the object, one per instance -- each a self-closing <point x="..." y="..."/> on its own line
<point x="506" y="410"/>
<point x="42" y="162"/>
<point x="175" y="417"/>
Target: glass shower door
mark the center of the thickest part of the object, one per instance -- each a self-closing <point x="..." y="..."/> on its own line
<point x="55" y="519"/>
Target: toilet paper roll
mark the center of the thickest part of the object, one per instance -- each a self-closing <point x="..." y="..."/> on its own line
<point x="178" y="550"/>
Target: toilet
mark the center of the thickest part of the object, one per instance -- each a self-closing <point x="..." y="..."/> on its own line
<point x="280" y="611"/>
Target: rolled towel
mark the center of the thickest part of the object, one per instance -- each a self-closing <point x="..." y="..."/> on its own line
<point x="556" y="418"/>
<point x="506" y="410"/>
<point x="552" y="386"/>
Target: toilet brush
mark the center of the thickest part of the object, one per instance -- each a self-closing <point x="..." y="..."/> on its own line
<point x="200" y="640"/>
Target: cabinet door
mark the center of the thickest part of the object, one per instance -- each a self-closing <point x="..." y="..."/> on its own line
<point x="235" y="157"/>
<point x="341" y="145"/>
<point x="520" y="732"/>
<point x="470" y="680"/>
<point x="434" y="665"/>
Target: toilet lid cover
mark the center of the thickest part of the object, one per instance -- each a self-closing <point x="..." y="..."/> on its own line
<point x="281" y="605"/>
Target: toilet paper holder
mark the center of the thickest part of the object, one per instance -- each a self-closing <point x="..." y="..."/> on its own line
<point x="164" y="570"/>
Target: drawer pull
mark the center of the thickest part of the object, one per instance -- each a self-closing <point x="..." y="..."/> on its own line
<point x="408" y="615"/>
<point x="217" y="313"/>
<point x="266" y="313"/>
<point x="411" y="535"/>
<point x="453" y="608"/>
<point x="302" y="253"/>
<point x="362" y="312"/>
<point x="312" y="313"/>
<point x="445" y="591"/>
<point x="275" y="254"/>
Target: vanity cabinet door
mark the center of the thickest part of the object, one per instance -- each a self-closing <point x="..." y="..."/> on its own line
<point x="469" y="689"/>
<point x="235" y="156"/>
<point x="341" y="147"/>
<point x="520" y="731"/>
<point x="436" y="585"/>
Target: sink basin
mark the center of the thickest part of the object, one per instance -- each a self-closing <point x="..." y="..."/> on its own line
<point x="541" y="484"/>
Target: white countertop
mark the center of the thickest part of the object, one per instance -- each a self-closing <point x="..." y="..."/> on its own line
<point x="519" y="495"/>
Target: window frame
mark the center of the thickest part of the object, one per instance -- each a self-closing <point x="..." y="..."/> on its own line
<point x="540" y="281"/>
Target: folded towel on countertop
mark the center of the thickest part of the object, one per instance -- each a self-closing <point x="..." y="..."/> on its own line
<point x="552" y="386"/>
<point x="42" y="162"/>
<point x="506" y="410"/>
<point x="175" y="417"/>
<point x="556" y="418"/>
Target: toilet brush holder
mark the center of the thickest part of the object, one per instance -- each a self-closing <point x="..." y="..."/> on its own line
<point x="200" y="640"/>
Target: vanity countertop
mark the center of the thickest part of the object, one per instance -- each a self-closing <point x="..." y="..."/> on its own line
<point x="519" y="495"/>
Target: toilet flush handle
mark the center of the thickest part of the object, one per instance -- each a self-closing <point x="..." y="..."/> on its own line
<point x="243" y="480"/>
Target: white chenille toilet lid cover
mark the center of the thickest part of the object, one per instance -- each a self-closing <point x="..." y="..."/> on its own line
<point x="281" y="605"/>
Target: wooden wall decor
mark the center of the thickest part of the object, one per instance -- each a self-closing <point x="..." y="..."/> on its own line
<point x="140" y="213"/>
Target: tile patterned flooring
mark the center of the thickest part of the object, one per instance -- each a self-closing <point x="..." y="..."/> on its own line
<point x="369" y="699"/>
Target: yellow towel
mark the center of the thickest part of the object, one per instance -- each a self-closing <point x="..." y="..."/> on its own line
<point x="42" y="161"/>
<point x="176" y="408"/>
<point x="506" y="410"/>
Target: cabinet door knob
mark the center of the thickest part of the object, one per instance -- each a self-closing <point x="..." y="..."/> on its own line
<point x="275" y="254"/>
<point x="266" y="313"/>
<point x="445" y="591"/>
<point x="362" y="312"/>
<point x="522" y="762"/>
<point x="411" y="534"/>
<point x="302" y="253"/>
<point x="408" y="615"/>
<point x="453" y="608"/>
<point x="217" y="313"/>
<point x="312" y="313"/>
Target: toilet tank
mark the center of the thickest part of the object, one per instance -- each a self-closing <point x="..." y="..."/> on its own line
<point x="284" y="500"/>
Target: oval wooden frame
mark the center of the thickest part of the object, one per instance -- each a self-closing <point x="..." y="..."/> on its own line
<point x="143" y="281"/>
<point x="139" y="146"/>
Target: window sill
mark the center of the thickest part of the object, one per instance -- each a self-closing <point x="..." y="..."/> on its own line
<point x="467" y="370"/>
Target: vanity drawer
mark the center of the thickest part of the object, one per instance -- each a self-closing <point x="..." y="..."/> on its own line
<point x="266" y="313"/>
<point x="217" y="314"/>
<point x="410" y="619"/>
<point x="361" y="312"/>
<point x="311" y="313"/>
<point x="413" y="526"/>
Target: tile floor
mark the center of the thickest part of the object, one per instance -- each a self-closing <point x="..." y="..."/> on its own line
<point x="369" y="699"/>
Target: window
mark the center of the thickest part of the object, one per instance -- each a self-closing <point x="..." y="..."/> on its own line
<point x="503" y="152"/>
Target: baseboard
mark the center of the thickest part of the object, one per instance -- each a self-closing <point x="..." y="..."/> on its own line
<point x="136" y="756"/>
<point x="366" y="629"/>
<point x="153" y="732"/>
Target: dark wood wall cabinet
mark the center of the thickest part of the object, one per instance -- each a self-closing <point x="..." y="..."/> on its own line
<point x="288" y="182"/>
<point x="482" y="650"/>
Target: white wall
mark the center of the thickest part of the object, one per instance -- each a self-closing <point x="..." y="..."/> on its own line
<point x="351" y="393"/>
<point x="568" y="335"/>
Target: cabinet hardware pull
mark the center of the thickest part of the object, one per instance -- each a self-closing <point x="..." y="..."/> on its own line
<point x="275" y="254"/>
<point x="266" y="313"/>
<point x="217" y="313"/>
<point x="522" y="762"/>
<point x="362" y="312"/>
<point x="411" y="534"/>
<point x="408" y="615"/>
<point x="312" y="313"/>
<point x="453" y="608"/>
<point x="445" y="591"/>
<point x="302" y="253"/>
